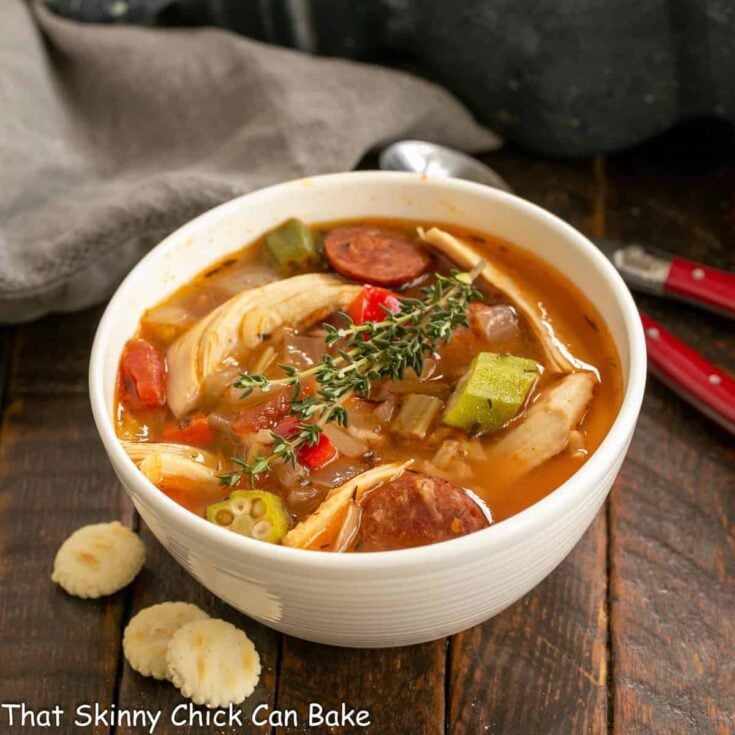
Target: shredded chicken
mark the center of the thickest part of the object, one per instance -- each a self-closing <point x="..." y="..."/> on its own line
<point x="305" y="533"/>
<point x="161" y="461"/>
<point x="241" y="324"/>
<point x="546" y="429"/>
<point x="138" y="451"/>
<point x="462" y="253"/>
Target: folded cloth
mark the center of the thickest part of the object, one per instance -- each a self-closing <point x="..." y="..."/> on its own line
<point x="113" y="136"/>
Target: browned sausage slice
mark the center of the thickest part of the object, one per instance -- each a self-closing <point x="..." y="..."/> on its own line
<point x="415" y="510"/>
<point x="375" y="255"/>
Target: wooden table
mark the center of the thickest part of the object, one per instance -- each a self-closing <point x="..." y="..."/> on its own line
<point x="633" y="633"/>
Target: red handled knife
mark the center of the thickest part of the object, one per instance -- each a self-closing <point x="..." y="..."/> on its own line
<point x="647" y="270"/>
<point x="692" y="377"/>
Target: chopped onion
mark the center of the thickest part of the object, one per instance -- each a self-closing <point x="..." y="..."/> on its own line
<point x="452" y="450"/>
<point x="336" y="473"/>
<point x="230" y="282"/>
<point x="344" y="443"/>
<point x="304" y="499"/>
<point x="362" y="416"/>
<point x="366" y="435"/>
<point x="220" y="421"/>
<point x="264" y="436"/>
<point x="167" y="322"/>
<point x="379" y="390"/>
<point x="494" y="323"/>
<point x="255" y="450"/>
<point x="384" y="412"/>
<point x="289" y="476"/>
<point x="169" y="314"/>
<point x="460" y="470"/>
<point x="302" y="351"/>
<point x="348" y="530"/>
<point x="449" y="452"/>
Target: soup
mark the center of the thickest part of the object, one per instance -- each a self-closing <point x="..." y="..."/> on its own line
<point x="367" y="386"/>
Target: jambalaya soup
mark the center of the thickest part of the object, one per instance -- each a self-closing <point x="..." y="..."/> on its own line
<point x="367" y="385"/>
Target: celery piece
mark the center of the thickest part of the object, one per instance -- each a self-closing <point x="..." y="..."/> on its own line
<point x="416" y="415"/>
<point x="491" y="392"/>
<point x="293" y="249"/>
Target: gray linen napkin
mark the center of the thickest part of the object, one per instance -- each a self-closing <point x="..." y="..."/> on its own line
<point x="113" y="136"/>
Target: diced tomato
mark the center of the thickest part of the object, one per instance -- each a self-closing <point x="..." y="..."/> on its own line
<point x="314" y="457"/>
<point x="262" y="416"/>
<point x="142" y="376"/>
<point x="287" y="427"/>
<point x="265" y="415"/>
<point x="193" y="430"/>
<point x="366" y="307"/>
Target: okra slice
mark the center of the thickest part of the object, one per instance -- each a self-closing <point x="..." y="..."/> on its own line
<point x="491" y="392"/>
<point x="255" y="513"/>
<point x="293" y="248"/>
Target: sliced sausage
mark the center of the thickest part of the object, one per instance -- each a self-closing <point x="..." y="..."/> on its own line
<point x="375" y="255"/>
<point x="415" y="510"/>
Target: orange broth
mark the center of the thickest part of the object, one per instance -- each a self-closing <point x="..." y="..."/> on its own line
<point x="575" y="321"/>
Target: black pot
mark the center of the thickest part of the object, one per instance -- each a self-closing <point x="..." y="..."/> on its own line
<point x="563" y="77"/>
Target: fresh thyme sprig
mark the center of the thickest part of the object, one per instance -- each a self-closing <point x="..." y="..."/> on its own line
<point x="366" y="352"/>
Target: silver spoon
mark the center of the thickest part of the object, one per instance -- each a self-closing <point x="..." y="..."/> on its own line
<point x="434" y="160"/>
<point x="698" y="382"/>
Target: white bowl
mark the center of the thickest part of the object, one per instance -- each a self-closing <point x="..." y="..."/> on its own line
<point x="396" y="597"/>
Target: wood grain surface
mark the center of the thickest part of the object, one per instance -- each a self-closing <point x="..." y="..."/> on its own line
<point x="541" y="666"/>
<point x="633" y="633"/>
<point x="162" y="580"/>
<point x="672" y="511"/>
<point x="54" y="477"/>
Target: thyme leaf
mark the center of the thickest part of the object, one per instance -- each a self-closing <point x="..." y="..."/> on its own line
<point x="363" y="353"/>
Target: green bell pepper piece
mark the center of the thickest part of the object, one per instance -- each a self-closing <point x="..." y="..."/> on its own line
<point x="293" y="248"/>
<point x="491" y="392"/>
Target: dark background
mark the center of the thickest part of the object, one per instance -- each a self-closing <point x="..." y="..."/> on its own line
<point x="566" y="77"/>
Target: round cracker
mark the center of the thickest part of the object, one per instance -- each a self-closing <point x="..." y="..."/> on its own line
<point x="213" y="663"/>
<point x="148" y="633"/>
<point x="98" y="560"/>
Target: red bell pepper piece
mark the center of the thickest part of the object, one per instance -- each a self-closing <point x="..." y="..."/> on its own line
<point x="319" y="455"/>
<point x="194" y="430"/>
<point x="366" y="307"/>
<point x="142" y="376"/>
<point x="312" y="457"/>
